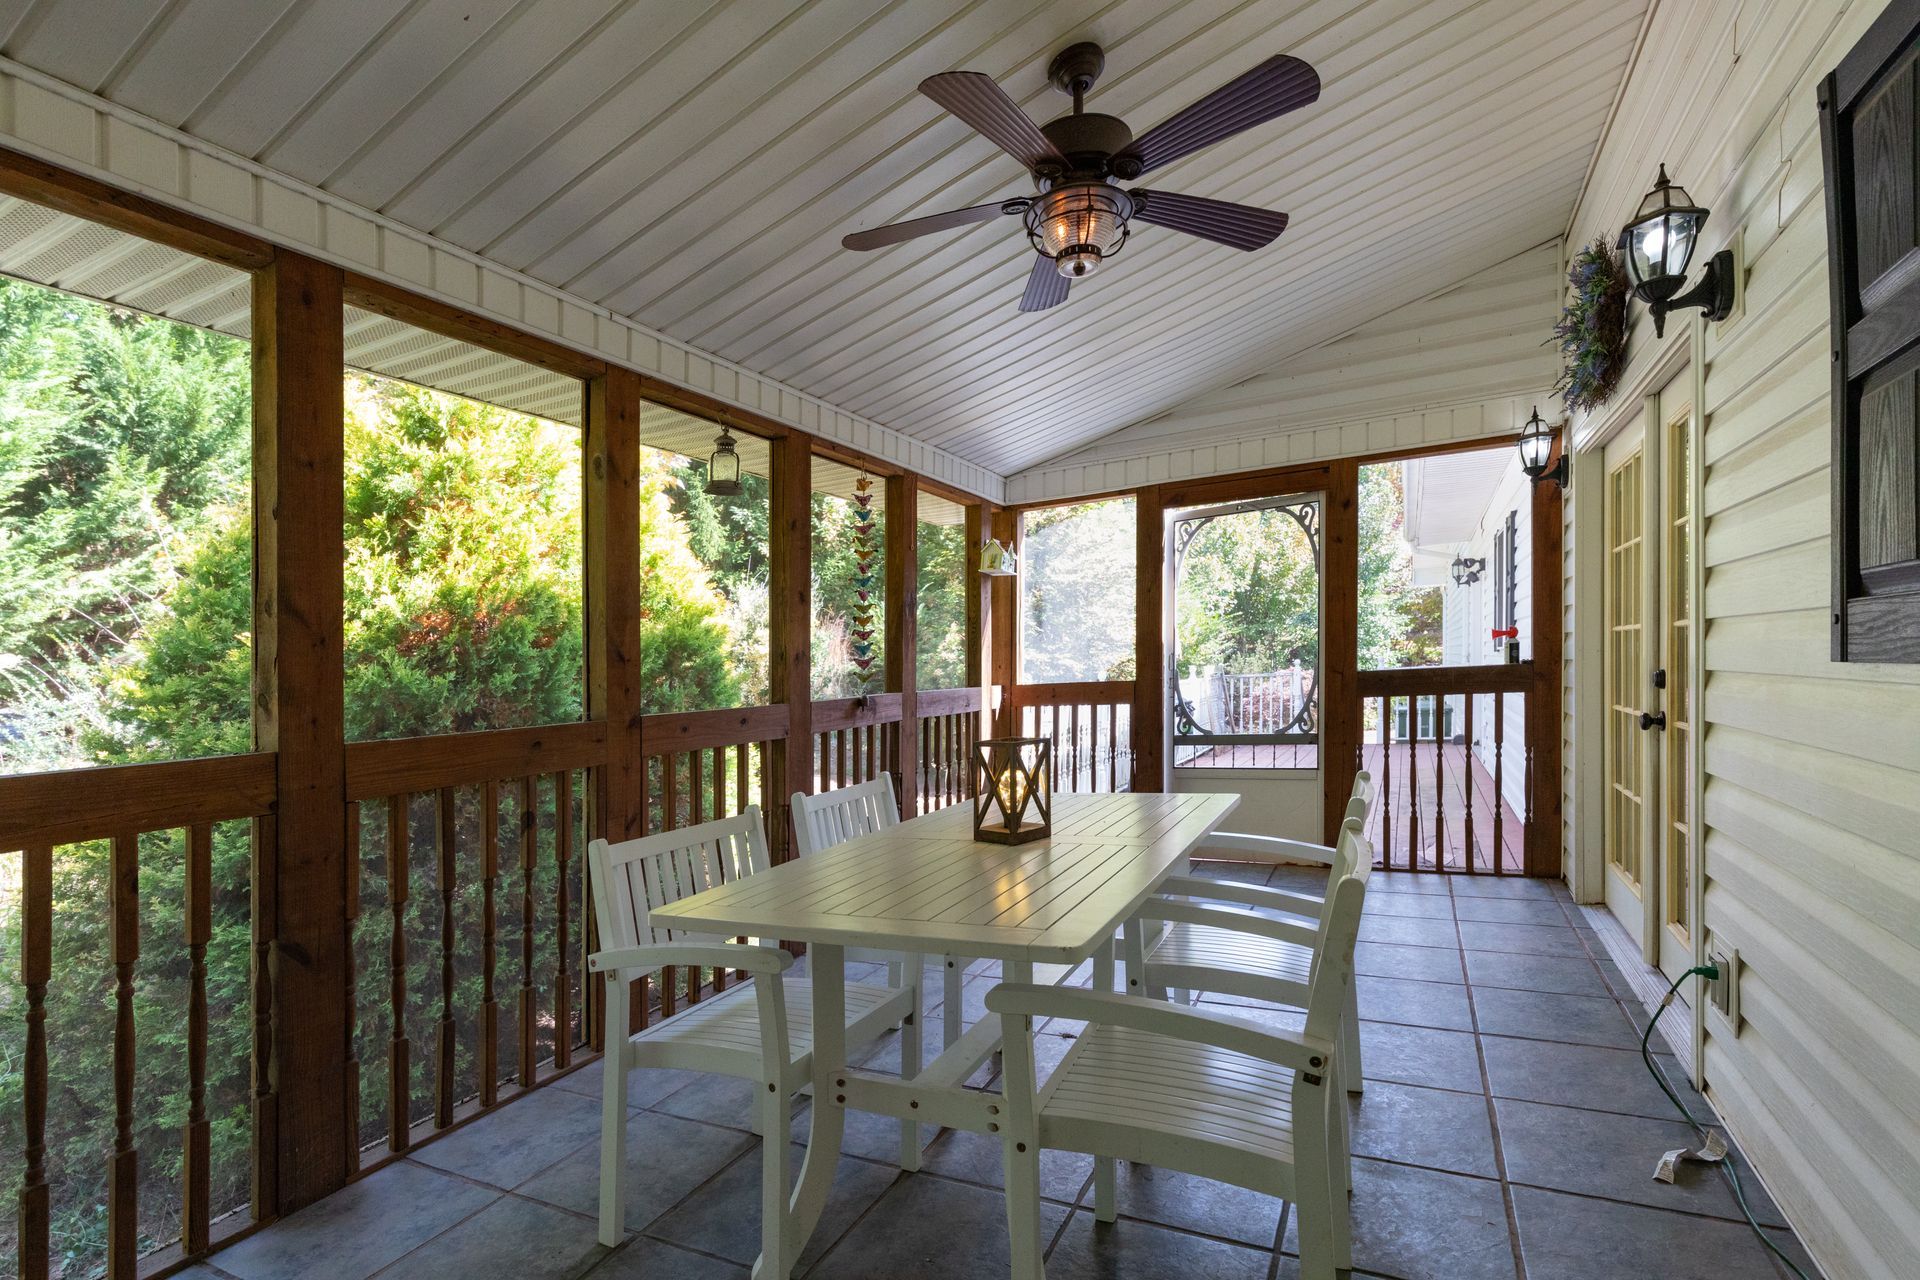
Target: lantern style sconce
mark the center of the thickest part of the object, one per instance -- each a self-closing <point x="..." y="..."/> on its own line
<point x="1467" y="571"/>
<point x="1659" y="245"/>
<point x="1536" y="446"/>
<point x="723" y="468"/>
<point x="1010" y="800"/>
<point x="997" y="561"/>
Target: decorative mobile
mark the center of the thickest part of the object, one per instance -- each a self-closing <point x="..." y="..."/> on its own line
<point x="863" y="585"/>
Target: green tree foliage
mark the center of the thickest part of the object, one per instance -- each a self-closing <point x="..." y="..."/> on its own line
<point x="940" y="633"/>
<point x="729" y="541"/>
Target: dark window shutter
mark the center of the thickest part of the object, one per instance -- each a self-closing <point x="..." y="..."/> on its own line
<point x="1512" y="575"/>
<point x="1870" y="136"/>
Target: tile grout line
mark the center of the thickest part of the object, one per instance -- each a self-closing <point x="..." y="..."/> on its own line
<point x="1493" y="1114"/>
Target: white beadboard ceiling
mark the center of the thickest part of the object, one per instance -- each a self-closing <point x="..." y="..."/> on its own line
<point x="693" y="165"/>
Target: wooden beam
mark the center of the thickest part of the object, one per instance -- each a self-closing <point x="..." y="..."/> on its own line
<point x="613" y="599"/>
<point x="670" y="732"/>
<point x="1150" y="772"/>
<point x="382" y="298"/>
<point x="790" y="622"/>
<point x="93" y="804"/>
<point x="978" y="597"/>
<point x="30" y="179"/>
<point x="394" y="766"/>
<point x="1547" y="836"/>
<point x="1340" y="710"/>
<point x="299" y="408"/>
<point x="1004" y="665"/>
<point x="903" y="612"/>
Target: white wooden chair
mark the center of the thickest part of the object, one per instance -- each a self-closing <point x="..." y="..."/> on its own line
<point x="1196" y="947"/>
<point x="1193" y="1090"/>
<point x="835" y="817"/>
<point x="760" y="1031"/>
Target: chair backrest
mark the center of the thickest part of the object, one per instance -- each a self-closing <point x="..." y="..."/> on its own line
<point x="635" y="876"/>
<point x="1339" y="929"/>
<point x="835" y="817"/>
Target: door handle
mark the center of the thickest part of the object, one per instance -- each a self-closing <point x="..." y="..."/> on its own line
<point x="1653" y="720"/>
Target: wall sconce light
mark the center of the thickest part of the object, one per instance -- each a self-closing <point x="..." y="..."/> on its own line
<point x="1010" y="802"/>
<point x="1659" y="245"/>
<point x="997" y="561"/>
<point x="1536" y="446"/>
<point x="723" y="468"/>
<point x="1467" y="571"/>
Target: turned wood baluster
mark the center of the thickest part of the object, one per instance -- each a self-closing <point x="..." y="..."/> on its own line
<point x="1466" y="773"/>
<point x="36" y="970"/>
<point x="563" y="889"/>
<point x="1386" y="781"/>
<point x="1413" y="782"/>
<point x="1499" y="793"/>
<point x="1526" y="822"/>
<point x="489" y="943"/>
<point x="123" y="1183"/>
<point x="400" y="1050"/>
<point x="670" y="821"/>
<point x="697" y="787"/>
<point x="445" y="1037"/>
<point x="1440" y="839"/>
<point x="196" y="1183"/>
<point x="529" y="793"/>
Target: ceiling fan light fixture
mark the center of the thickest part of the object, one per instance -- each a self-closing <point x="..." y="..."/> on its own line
<point x="1079" y="225"/>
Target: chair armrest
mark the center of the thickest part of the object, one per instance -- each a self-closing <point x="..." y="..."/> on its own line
<point x="1266" y="847"/>
<point x="1183" y="912"/>
<point x="1250" y="895"/>
<point x="1157" y="1017"/>
<point x="713" y="955"/>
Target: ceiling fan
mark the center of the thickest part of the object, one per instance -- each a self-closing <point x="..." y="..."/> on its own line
<point x="1081" y="217"/>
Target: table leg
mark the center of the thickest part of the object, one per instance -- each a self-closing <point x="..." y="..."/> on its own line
<point x="827" y="964"/>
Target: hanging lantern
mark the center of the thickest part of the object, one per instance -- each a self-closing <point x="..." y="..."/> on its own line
<point x="723" y="468"/>
<point x="1010" y="800"/>
<point x="1536" y="446"/>
<point x="996" y="561"/>
<point x="1467" y="570"/>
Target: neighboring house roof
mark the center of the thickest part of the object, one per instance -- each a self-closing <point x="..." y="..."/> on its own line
<point x="1446" y="500"/>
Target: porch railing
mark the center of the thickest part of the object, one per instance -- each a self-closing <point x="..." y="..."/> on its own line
<point x="950" y="722"/>
<point x="1089" y="725"/>
<point x="1449" y="751"/>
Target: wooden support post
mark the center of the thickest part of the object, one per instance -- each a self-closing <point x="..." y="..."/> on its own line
<point x="36" y="971"/>
<point x="196" y="1197"/>
<point x="300" y="1123"/>
<point x="1150" y="772"/>
<point x="1005" y="615"/>
<point x="613" y="598"/>
<point x="446" y="863"/>
<point x="123" y="1165"/>
<point x="1340" y="711"/>
<point x="790" y="624"/>
<point x="1545" y="834"/>
<point x="903" y="636"/>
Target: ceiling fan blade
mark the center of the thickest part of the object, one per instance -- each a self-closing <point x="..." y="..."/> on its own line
<point x="1280" y="84"/>
<point x="1239" y="225"/>
<point x="985" y="106"/>
<point x="895" y="232"/>
<point x="1046" y="287"/>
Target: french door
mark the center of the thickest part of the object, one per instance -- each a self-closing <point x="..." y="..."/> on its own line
<point x="1648" y="610"/>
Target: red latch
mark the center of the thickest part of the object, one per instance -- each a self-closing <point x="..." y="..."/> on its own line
<point x="1506" y="633"/>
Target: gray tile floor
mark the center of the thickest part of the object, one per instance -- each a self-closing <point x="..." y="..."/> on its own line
<point x="1508" y="1130"/>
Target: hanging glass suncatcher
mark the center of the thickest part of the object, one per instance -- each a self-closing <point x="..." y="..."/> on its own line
<point x="863" y="586"/>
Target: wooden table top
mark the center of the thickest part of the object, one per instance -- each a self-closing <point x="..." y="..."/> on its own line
<point x="926" y="886"/>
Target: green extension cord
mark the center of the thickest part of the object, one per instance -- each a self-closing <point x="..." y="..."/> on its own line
<point x="1727" y="1166"/>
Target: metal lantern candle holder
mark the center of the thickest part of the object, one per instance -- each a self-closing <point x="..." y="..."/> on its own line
<point x="1011" y="804"/>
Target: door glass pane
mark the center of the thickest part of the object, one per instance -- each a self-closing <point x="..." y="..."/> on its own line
<point x="1246" y="663"/>
<point x="1624" y="670"/>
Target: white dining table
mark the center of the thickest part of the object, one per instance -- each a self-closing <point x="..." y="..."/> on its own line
<point x="926" y="886"/>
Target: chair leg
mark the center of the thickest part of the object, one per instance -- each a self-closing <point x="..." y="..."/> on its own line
<point x="950" y="1001"/>
<point x="1023" y="1209"/>
<point x="894" y="971"/>
<point x="1313" y="1174"/>
<point x="777" y="1252"/>
<point x="613" y="1121"/>
<point x="1106" y="1206"/>
<point x="909" y="1068"/>
<point x="1350" y="1040"/>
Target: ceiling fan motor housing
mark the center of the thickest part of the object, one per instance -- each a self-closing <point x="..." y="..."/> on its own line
<point x="1088" y="140"/>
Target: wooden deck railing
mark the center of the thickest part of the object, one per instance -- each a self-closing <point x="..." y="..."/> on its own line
<point x="444" y="801"/>
<point x="855" y="740"/>
<point x="1089" y="725"/>
<point x="1449" y="752"/>
<point x="131" y="814"/>
<point x="950" y="722"/>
